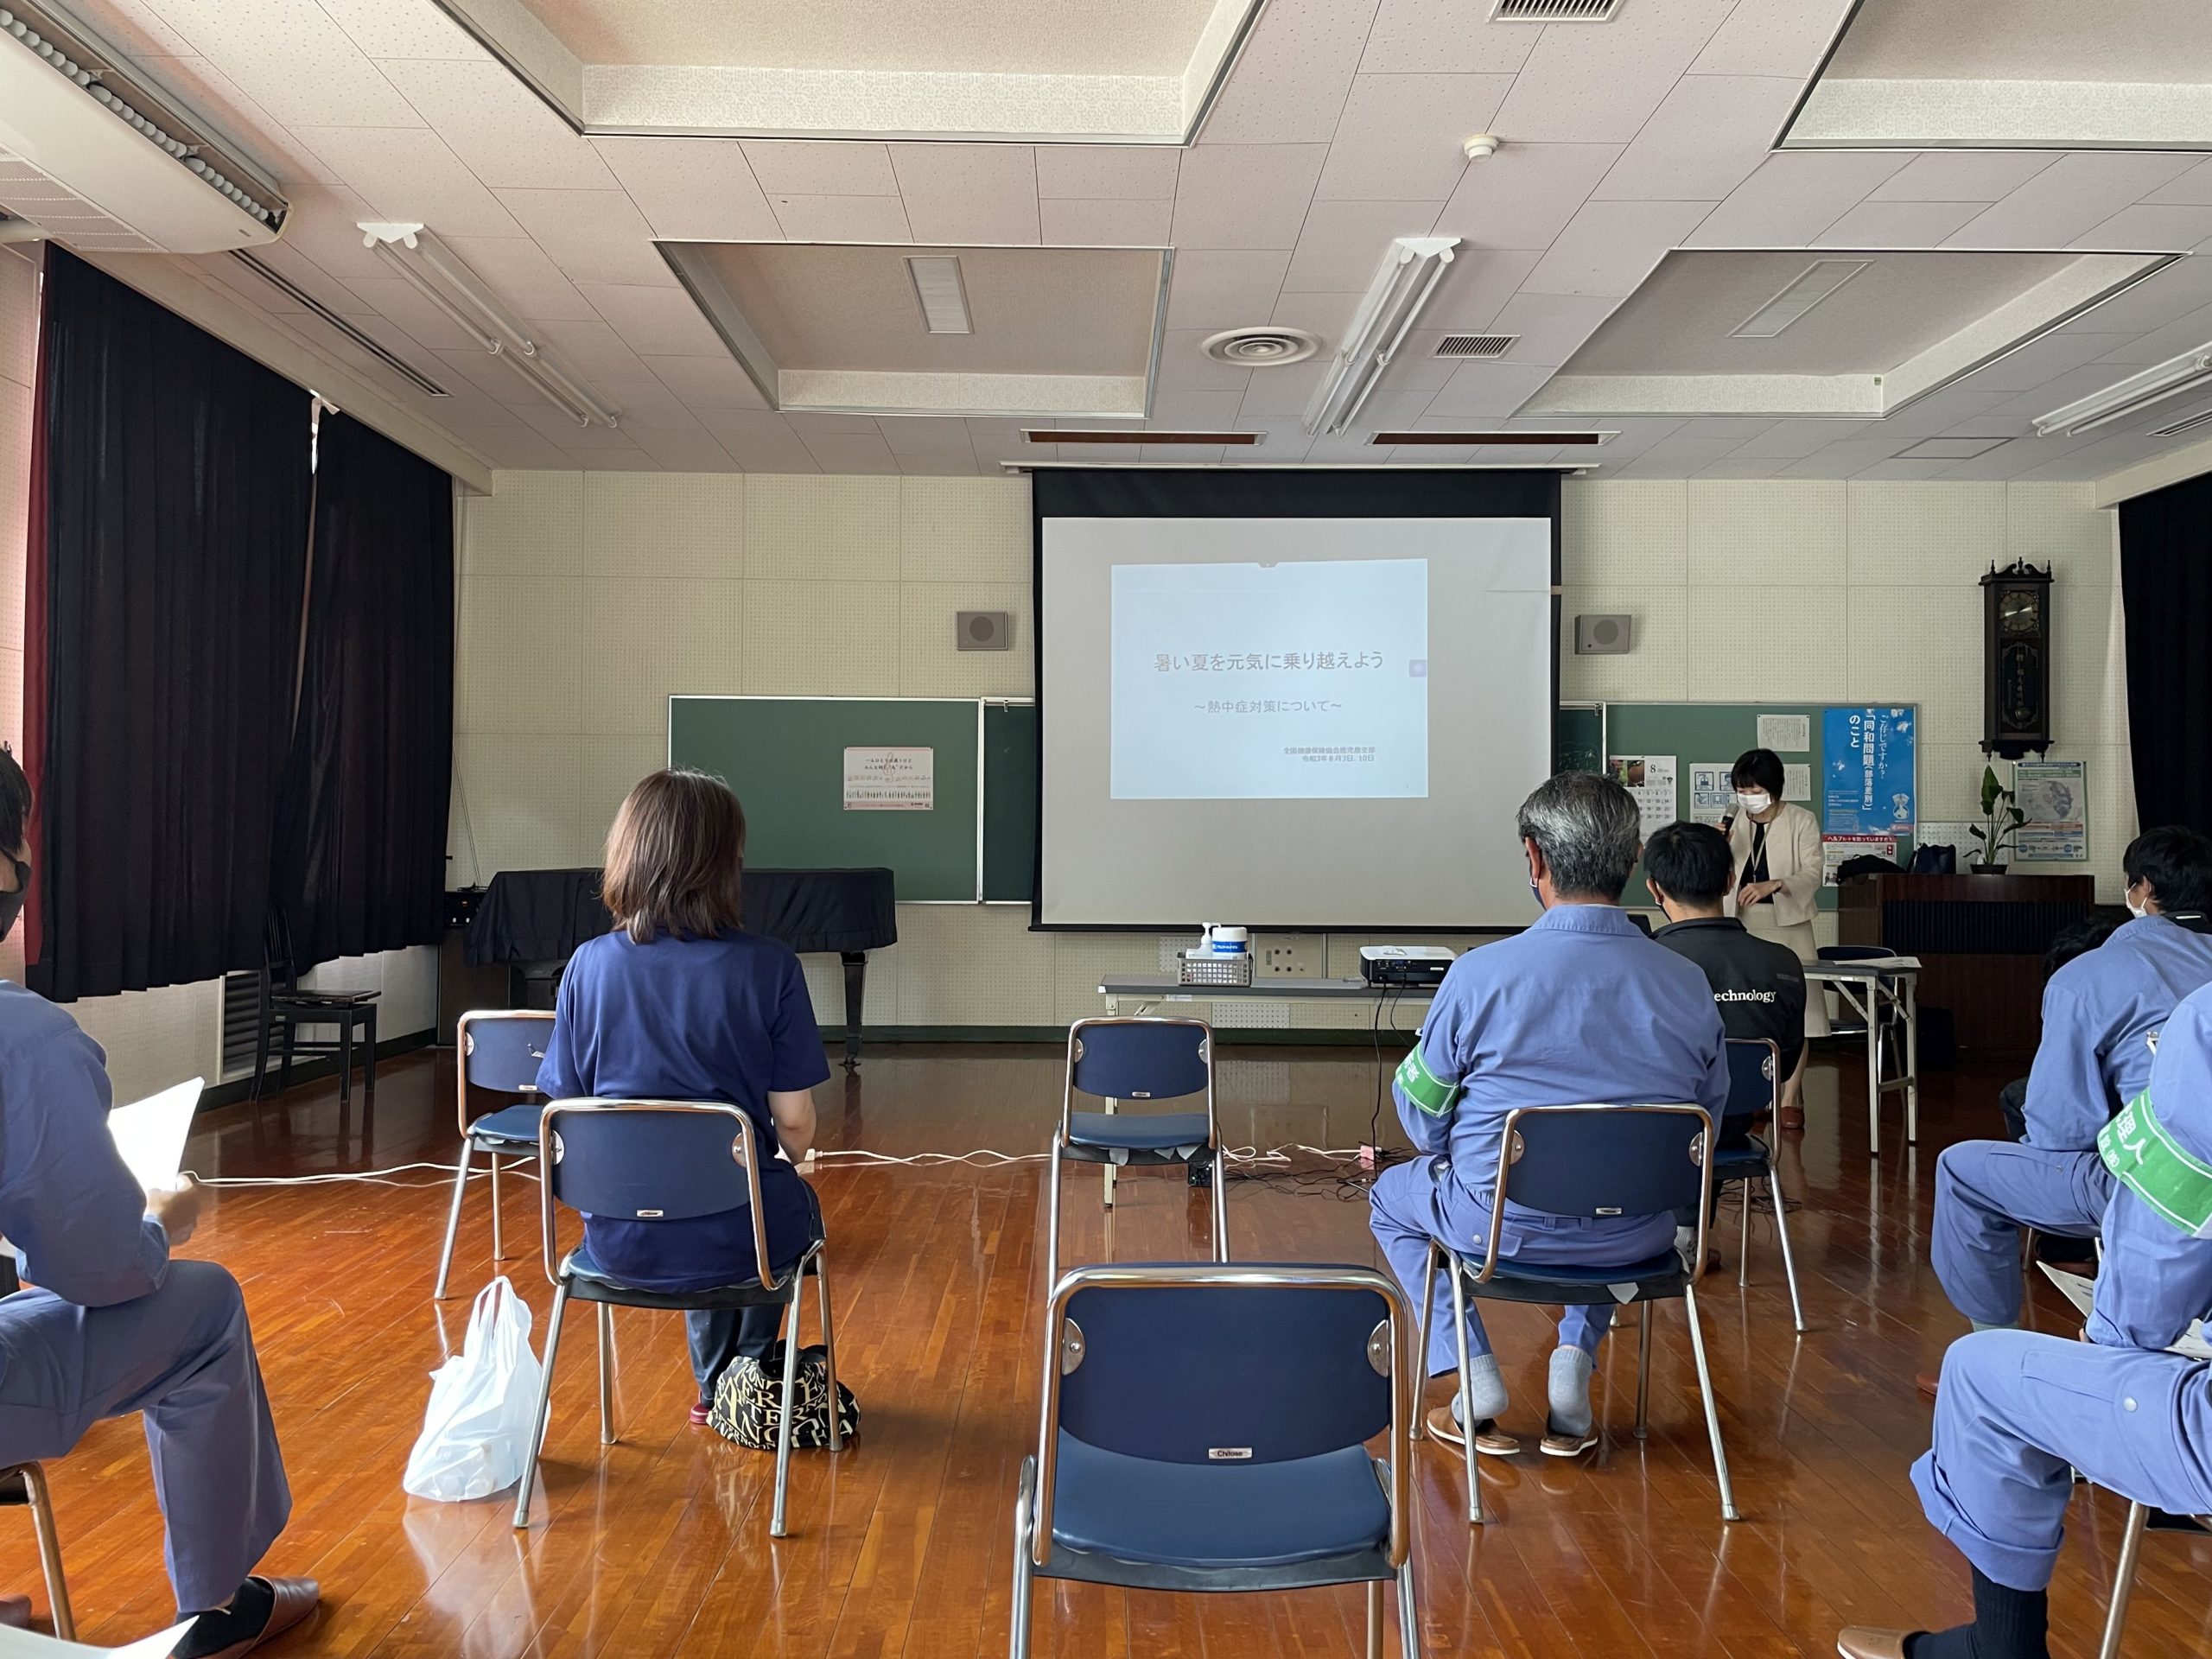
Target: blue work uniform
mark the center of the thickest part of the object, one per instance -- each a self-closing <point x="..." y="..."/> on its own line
<point x="2100" y="1013"/>
<point x="114" y="1326"/>
<point x="723" y="1019"/>
<point x="1580" y="1008"/>
<point x="2018" y="1412"/>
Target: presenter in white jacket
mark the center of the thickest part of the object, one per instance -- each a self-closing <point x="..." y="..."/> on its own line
<point x="1778" y="849"/>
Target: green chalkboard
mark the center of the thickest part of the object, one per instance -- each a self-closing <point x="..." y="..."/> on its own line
<point x="1579" y="738"/>
<point x="785" y="758"/>
<point x="1009" y="800"/>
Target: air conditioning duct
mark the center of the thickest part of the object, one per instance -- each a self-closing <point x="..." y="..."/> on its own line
<point x="97" y="159"/>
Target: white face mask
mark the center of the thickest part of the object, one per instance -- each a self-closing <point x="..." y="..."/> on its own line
<point x="2134" y="907"/>
<point x="1754" y="800"/>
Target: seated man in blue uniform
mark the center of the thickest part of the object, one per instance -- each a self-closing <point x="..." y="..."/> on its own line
<point x="2018" y="1412"/>
<point x="115" y="1327"/>
<point x="2101" y="1015"/>
<point x="1580" y="1008"/>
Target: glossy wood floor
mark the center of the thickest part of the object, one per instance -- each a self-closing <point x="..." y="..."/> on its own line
<point x="659" y="1545"/>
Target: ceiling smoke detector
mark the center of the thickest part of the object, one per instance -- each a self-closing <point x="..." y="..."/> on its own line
<point x="1261" y="348"/>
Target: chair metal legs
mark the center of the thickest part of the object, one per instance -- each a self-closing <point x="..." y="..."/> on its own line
<point x="2123" y="1580"/>
<point x="41" y="1504"/>
<point x="1466" y="1399"/>
<point x="606" y="1374"/>
<point x="828" y="1347"/>
<point x="1408" y="1612"/>
<point x="1421" y="1358"/>
<point x="1025" y="1499"/>
<point x="453" y="1220"/>
<point x="1643" y="1372"/>
<point x="1053" y="1219"/>
<point x="1221" y="1203"/>
<point x="545" y="1406"/>
<point x="1781" y="1233"/>
<point x="1728" y="1511"/>
<point x="784" y="1426"/>
<point x="1374" y="1619"/>
<point x="499" y="1244"/>
<point x="1744" y="1240"/>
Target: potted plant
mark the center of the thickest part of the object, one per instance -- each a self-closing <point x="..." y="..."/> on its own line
<point x="2001" y="818"/>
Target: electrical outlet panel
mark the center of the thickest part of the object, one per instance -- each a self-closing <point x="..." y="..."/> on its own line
<point x="1292" y="958"/>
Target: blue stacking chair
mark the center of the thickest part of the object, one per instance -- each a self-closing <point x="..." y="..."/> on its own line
<point x="1589" y="1162"/>
<point x="661" y="1161"/>
<point x="1754" y="1086"/>
<point x="1147" y="1060"/>
<point x="1204" y="1428"/>
<point x="500" y="1049"/>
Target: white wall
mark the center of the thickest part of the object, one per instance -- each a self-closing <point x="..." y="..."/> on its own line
<point x="587" y="598"/>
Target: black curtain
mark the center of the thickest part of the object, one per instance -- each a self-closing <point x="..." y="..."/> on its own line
<point x="2165" y="573"/>
<point x="361" y="827"/>
<point x="170" y="525"/>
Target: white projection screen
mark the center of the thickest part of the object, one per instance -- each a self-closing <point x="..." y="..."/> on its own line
<point x="1317" y="719"/>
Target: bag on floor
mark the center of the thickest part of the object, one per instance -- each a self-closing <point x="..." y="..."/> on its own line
<point x="476" y="1433"/>
<point x="748" y="1405"/>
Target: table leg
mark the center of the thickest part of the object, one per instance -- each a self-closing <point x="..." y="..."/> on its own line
<point x="855" y="1000"/>
<point x="1911" y="1058"/>
<point x="1873" y="1069"/>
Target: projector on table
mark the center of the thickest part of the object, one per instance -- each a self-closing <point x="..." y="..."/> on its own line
<point x="1404" y="964"/>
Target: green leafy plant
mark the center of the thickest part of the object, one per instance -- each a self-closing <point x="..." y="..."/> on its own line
<point x="2001" y="818"/>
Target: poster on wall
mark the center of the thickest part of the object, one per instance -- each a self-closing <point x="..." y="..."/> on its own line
<point x="2055" y="795"/>
<point x="1650" y="779"/>
<point x="890" y="780"/>
<point x="1868" y="787"/>
<point x="1713" y="798"/>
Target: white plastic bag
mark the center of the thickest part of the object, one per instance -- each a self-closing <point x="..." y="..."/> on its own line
<point x="476" y="1433"/>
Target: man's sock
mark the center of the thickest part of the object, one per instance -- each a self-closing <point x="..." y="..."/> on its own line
<point x="245" y="1617"/>
<point x="1570" y="1390"/>
<point x="2007" y="1624"/>
<point x="1485" y="1391"/>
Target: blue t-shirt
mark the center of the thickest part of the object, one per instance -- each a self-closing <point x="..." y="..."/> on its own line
<point x="724" y="1018"/>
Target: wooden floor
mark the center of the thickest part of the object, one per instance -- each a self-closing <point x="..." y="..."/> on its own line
<point x="659" y="1545"/>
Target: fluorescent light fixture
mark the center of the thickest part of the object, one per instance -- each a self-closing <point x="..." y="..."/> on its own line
<point x="2123" y="397"/>
<point x="1409" y="275"/>
<point x="1814" y="285"/>
<point x="460" y="295"/>
<point x="938" y="286"/>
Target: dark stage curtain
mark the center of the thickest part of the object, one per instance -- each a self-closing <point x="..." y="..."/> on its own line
<point x="2165" y="572"/>
<point x="170" y="505"/>
<point x="361" y="827"/>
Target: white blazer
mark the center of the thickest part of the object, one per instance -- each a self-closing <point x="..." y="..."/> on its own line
<point x="1793" y="858"/>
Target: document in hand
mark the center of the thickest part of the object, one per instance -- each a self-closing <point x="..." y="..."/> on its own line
<point x="2082" y="1292"/>
<point x="150" y="1136"/>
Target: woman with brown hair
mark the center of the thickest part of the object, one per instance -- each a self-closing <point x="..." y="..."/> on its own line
<point x="679" y="1003"/>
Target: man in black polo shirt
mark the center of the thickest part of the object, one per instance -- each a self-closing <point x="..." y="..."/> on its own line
<point x="1758" y="985"/>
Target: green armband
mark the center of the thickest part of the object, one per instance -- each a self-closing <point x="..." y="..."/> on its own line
<point x="2144" y="1157"/>
<point x="1424" y="1088"/>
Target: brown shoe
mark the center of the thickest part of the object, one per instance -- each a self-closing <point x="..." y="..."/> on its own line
<point x="1792" y="1117"/>
<point x="295" y="1599"/>
<point x="1862" y="1642"/>
<point x="1927" y="1381"/>
<point x="1490" y="1439"/>
<point x="16" y="1613"/>
<point x="1557" y="1443"/>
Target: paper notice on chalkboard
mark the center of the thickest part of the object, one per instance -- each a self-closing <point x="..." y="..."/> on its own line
<point x="1786" y="733"/>
<point x="890" y="780"/>
<point x="1713" y="798"/>
<point x="1797" y="780"/>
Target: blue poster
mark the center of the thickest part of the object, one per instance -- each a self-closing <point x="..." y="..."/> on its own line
<point x="1867" y="755"/>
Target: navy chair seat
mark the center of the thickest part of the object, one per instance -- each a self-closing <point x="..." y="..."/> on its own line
<point x="1136" y="1131"/>
<point x="1228" y="1515"/>
<point x="515" y="1126"/>
<point x="1566" y="1284"/>
<point x="1740" y="1163"/>
<point x="590" y="1282"/>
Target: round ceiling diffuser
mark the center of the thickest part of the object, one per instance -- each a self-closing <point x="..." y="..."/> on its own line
<point x="1261" y="348"/>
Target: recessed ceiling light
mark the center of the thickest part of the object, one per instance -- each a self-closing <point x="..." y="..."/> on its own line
<point x="1815" y="284"/>
<point x="938" y="286"/>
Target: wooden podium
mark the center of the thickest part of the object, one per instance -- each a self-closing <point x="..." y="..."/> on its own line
<point x="1980" y="938"/>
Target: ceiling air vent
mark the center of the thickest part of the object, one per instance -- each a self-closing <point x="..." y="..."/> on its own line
<point x="1553" y="11"/>
<point x="2187" y="424"/>
<point x="1261" y="348"/>
<point x="1475" y="345"/>
<point x="1460" y="440"/>
<point x="299" y="296"/>
<point x="1125" y="435"/>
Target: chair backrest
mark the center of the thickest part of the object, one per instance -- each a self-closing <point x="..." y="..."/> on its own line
<point x="649" y="1161"/>
<point x="1209" y="1362"/>
<point x="1146" y="1058"/>
<point x="1596" y="1162"/>
<point x="500" y="1049"/>
<point x="1754" y="1076"/>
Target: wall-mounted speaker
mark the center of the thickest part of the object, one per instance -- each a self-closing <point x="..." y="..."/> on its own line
<point x="1602" y="636"/>
<point x="985" y="631"/>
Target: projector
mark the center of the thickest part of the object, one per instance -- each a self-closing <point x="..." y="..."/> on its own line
<point x="1404" y="964"/>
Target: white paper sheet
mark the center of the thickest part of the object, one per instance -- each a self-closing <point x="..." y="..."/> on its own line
<point x="2082" y="1292"/>
<point x="29" y="1644"/>
<point x="1713" y="798"/>
<point x="150" y="1132"/>
<point x="1650" y="779"/>
<point x="1786" y="733"/>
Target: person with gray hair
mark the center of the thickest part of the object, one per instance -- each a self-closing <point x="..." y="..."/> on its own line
<point x="1580" y="1008"/>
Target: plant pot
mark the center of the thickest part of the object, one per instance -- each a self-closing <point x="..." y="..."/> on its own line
<point x="1986" y="869"/>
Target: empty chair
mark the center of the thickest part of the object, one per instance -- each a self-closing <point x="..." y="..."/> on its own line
<point x="661" y="1161"/>
<point x="1204" y="1428"/>
<point x="1590" y="1161"/>
<point x="2140" y="1516"/>
<point x="23" y="1485"/>
<point x="500" y="1049"/>
<point x="1144" y="1059"/>
<point x="1753" y="1088"/>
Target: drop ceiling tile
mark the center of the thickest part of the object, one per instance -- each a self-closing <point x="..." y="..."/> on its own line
<point x="1601" y="84"/>
<point x="1400" y="137"/>
<point x="596" y="236"/>
<point x="398" y="301"/>
<point x="1743" y="467"/>
<point x="679" y="450"/>
<point x="507" y="136"/>
<point x="1523" y="196"/>
<point x="1610" y="246"/>
<point x="2037" y="364"/>
<point x="199" y="85"/>
<point x="1548" y="326"/>
<point x="292" y="262"/>
<point x="593" y="350"/>
<point x="974" y="219"/>
<point x="2068" y="198"/>
<point x="1289" y="82"/>
<point x="293" y="61"/>
<point x="2192" y="188"/>
<point x="842" y="218"/>
<point x="1443" y="37"/>
<point x="324" y="225"/>
<point x="1108" y="172"/>
<point x="410" y="173"/>
<point x="2150" y="229"/>
<point x="1245" y="195"/>
<point x="1104" y="222"/>
<point x="1223" y="288"/>
<point x="810" y="425"/>
<point x="1181" y="409"/>
<point x="1476" y="286"/>
<point x="1899" y="224"/>
<point x="853" y="452"/>
<point x="137" y="27"/>
<point x="707" y="384"/>
<point x="692" y="189"/>
<point x="1963" y="175"/>
<point x="1279" y="396"/>
<point x="2185" y="332"/>
<point x="1488" y="390"/>
<point x="663" y="320"/>
<point x="759" y="443"/>
<point x="518" y="271"/>
<point x="1344" y="243"/>
<point x="1184" y="366"/>
<point x="799" y="167"/>
<point x="1773" y="37"/>
<point x="1707" y="137"/>
<point x="2180" y="287"/>
<point x="645" y="402"/>
<point x="402" y="29"/>
<point x="1793" y="197"/>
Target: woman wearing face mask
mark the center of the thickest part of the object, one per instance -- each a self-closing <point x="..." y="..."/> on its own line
<point x="1777" y="848"/>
